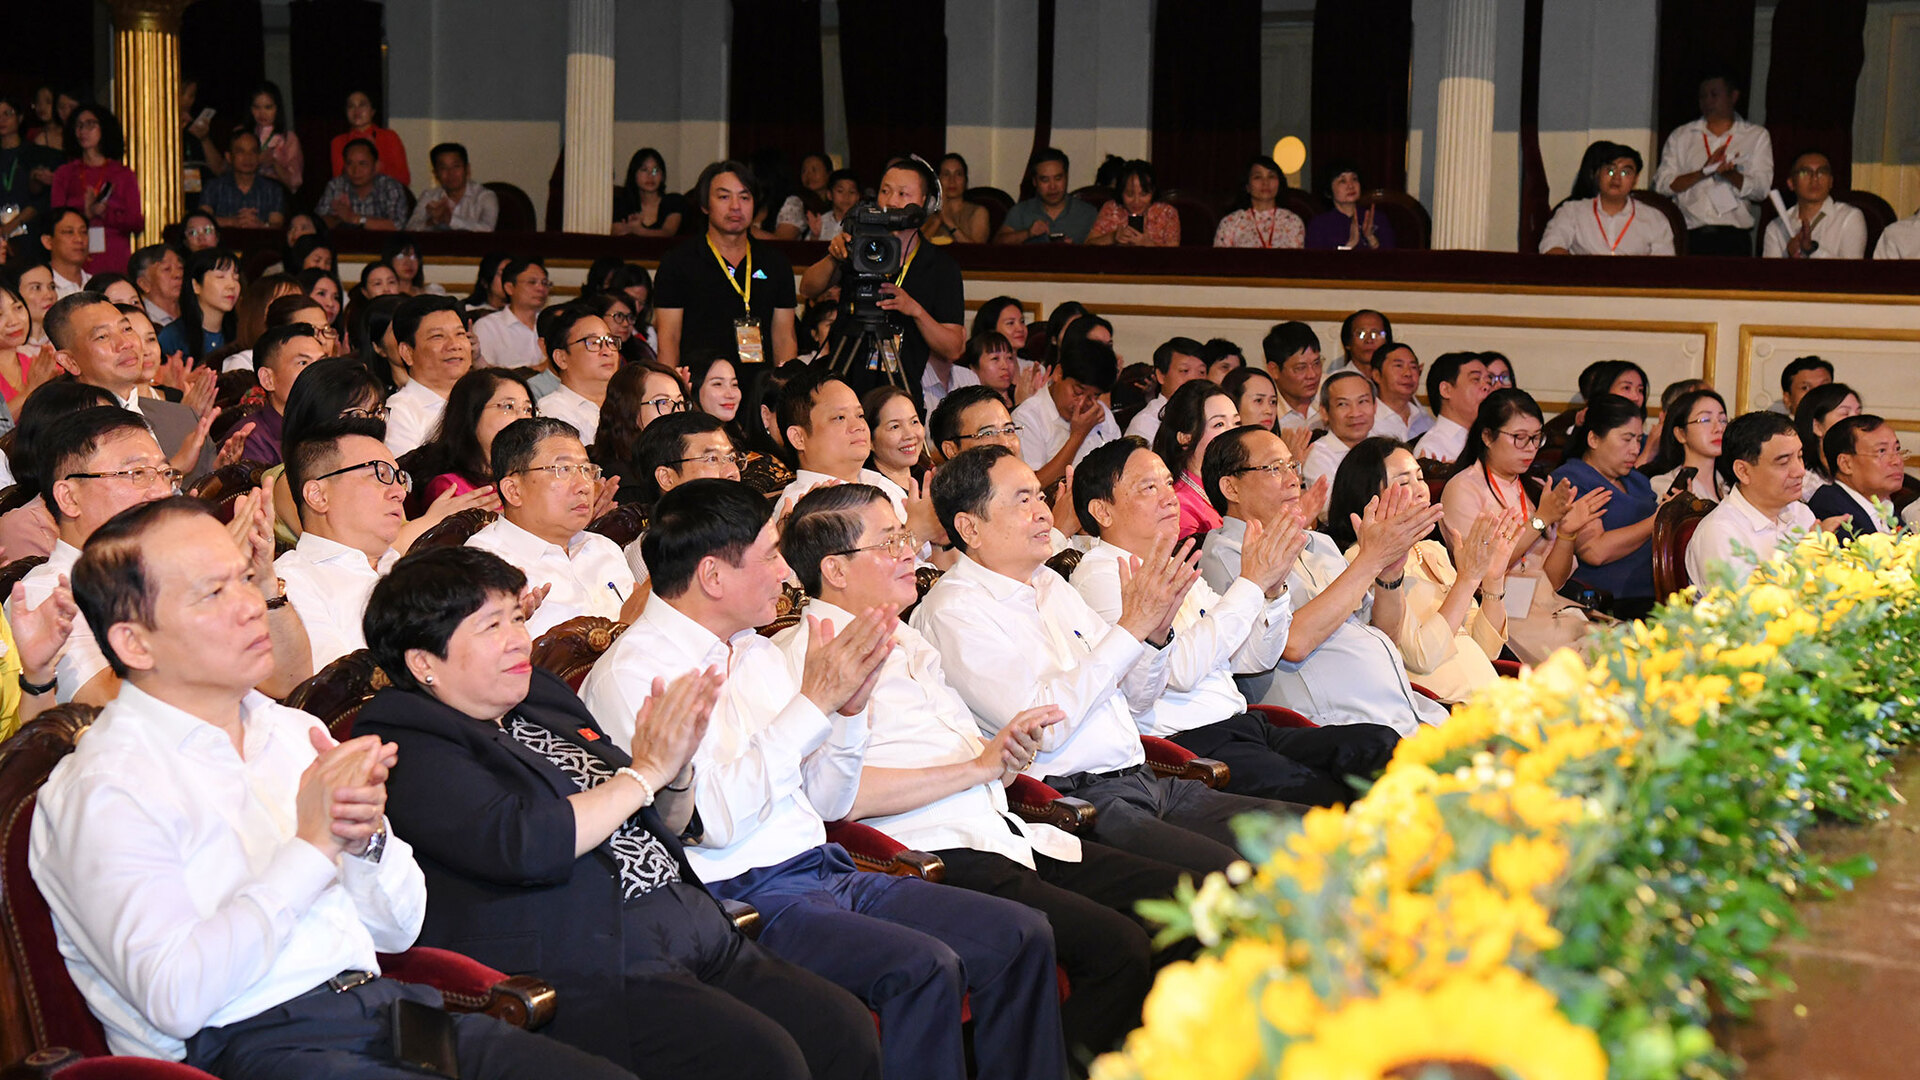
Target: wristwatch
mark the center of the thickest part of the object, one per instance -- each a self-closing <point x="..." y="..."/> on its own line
<point x="376" y="846"/>
<point x="1537" y="523"/>
<point x="34" y="689"/>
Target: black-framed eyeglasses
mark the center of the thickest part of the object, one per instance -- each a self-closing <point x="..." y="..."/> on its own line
<point x="597" y="343"/>
<point x="898" y="545"/>
<point x="665" y="405"/>
<point x="383" y="471"/>
<point x="1524" y="440"/>
<point x="713" y="459"/>
<point x="140" y="476"/>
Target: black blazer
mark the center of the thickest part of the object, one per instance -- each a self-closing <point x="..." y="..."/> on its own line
<point x="490" y="825"/>
<point x="1830" y="501"/>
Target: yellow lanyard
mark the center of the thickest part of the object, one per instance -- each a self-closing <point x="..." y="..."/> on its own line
<point x="746" y="291"/>
<point x="908" y="265"/>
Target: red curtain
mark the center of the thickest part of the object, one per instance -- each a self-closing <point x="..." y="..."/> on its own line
<point x="893" y="67"/>
<point x="1362" y="62"/>
<point x="774" y="95"/>
<point x="1817" y="55"/>
<point x="1206" y="96"/>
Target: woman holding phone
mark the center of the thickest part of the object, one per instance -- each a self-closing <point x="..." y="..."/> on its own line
<point x="280" y="156"/>
<point x="102" y="188"/>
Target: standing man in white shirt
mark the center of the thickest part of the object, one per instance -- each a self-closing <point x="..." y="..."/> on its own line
<point x="1817" y="226"/>
<point x="1398" y="413"/>
<point x="1012" y="635"/>
<point x="1292" y="353"/>
<point x="1124" y="494"/>
<point x="782" y="756"/>
<point x="1456" y="386"/>
<point x="1175" y="363"/>
<point x="586" y="355"/>
<point x="548" y="491"/>
<point x="1751" y="523"/>
<point x="510" y="337"/>
<point x="352" y="500"/>
<point x="219" y="871"/>
<point x="1058" y="427"/>
<point x="455" y="202"/>
<point x="430" y="334"/>
<point x="1717" y="168"/>
<point x="1346" y="400"/>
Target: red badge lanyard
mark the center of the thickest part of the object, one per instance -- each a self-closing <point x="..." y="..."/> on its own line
<point x="1709" y="145"/>
<point x="1614" y="248"/>
<point x="1265" y="235"/>
<point x="1526" y="505"/>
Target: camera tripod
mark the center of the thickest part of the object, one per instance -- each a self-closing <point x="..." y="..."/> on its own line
<point x="866" y="358"/>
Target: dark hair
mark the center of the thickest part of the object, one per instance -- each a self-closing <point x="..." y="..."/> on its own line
<point x="367" y="322"/>
<point x="1134" y="170"/>
<point x="490" y="265"/>
<point x="988" y="317"/>
<point x="1064" y="314"/>
<point x="555" y="331"/>
<point x="632" y="186"/>
<point x="951" y="156"/>
<point x="1669" y="453"/>
<point x="517" y="443"/>
<point x="1090" y="362"/>
<point x="1183" y="346"/>
<point x="1097" y="474"/>
<point x="425" y="597"/>
<point x="105" y="280"/>
<point x="1346" y="327"/>
<point x="929" y="183"/>
<point x="1389" y="347"/>
<point x="707" y="176"/>
<point x="1360" y="477"/>
<point x="199" y="265"/>
<point x="110" y="582"/>
<point x="282" y="310"/>
<point x="454" y="446"/>
<point x="1613" y="153"/>
<point x="1604" y="414"/>
<point x="1607" y="372"/>
<point x="52" y="405"/>
<point x="518" y="265"/>
<point x="1244" y="199"/>
<point x="113" y="142"/>
<point x="1327" y="384"/>
<point x="267" y="348"/>
<point x="1445" y="370"/>
<point x="1794" y="367"/>
<point x="838" y="175"/>
<point x="1288" y="338"/>
<point x="1489" y="357"/>
<point x="943" y="425"/>
<point x="411" y="311"/>
<point x="1218" y="349"/>
<point x="1814" y="406"/>
<point x="433" y="155"/>
<point x="272" y="90"/>
<point x="1080" y="329"/>
<point x="318" y="450"/>
<point x="360" y="141"/>
<point x="1498" y="408"/>
<point x="764" y="385"/>
<point x="964" y="485"/>
<point x="619" y="431"/>
<point x="876" y="399"/>
<point x="984" y="343"/>
<point x="390" y="253"/>
<point x="305" y="246"/>
<point x="74" y="438"/>
<point x="326" y="389"/>
<point x="700" y="518"/>
<point x="1844" y="438"/>
<point x="802" y="392"/>
<point x="313" y="276"/>
<point x="144" y="258"/>
<point x="1335" y="169"/>
<point x="1227" y="455"/>
<point x="663" y="443"/>
<point x="1747" y="434"/>
<point x="59" y="318"/>
<point x="826" y="521"/>
<point x="1597" y="154"/>
<point x="1044" y="156"/>
<point x="1184" y="414"/>
<point x="1235" y="384"/>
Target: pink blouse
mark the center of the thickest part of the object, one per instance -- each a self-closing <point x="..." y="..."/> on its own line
<point x="1196" y="513"/>
<point x="1163" y="222"/>
<point x="121" y="217"/>
<point x="1276" y="228"/>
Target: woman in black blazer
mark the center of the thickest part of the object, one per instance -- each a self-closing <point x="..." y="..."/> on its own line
<point x="546" y="852"/>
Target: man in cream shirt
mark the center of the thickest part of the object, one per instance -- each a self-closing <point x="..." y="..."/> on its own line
<point x="1764" y="508"/>
<point x="1716" y="168"/>
<point x="352" y="500"/>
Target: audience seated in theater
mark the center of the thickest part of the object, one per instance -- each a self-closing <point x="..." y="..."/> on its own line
<point x="16" y="359"/>
<point x="1622" y="378"/>
<point x="1819" y="226"/>
<point x="1361" y="335"/>
<point x="158" y="271"/>
<point x="1063" y="424"/>
<point x="1398" y="414"/>
<point x="1501" y="446"/>
<point x="645" y="205"/>
<point x="1608" y="223"/>
<point x="1865" y="460"/>
<point x="1052" y="214"/>
<point x="1447" y="635"/>
<point x="97" y="183"/>
<point x="115" y="287"/>
<point x="1292" y="354"/>
<point x="323" y="286"/>
<point x="766" y="462"/>
<point x="1257" y="219"/>
<point x="708" y="284"/>
<point x="1199" y="412"/>
<point x="586" y="356"/>
<point x="899" y="438"/>
<point x="548" y="850"/>
<point x="211" y="290"/>
<point x="843" y="194"/>
<point x="280" y="356"/>
<point x="1614" y="553"/>
<point x="66" y="244"/>
<point x="363" y="125"/>
<point x="352" y="499"/>
<point x="1008" y="316"/>
<point x="489" y="292"/>
<point x="958" y="221"/>
<point x="783" y="755"/>
<point x="1717" y="168"/>
<point x="508" y="337"/>
<point x="1900" y="240"/>
<point x="1817" y="410"/>
<point x="673" y="450"/>
<point x="638" y="396"/>
<point x="457" y="458"/>
<point x="549" y="493"/>
<point x="1764" y="508"/>
<point x="143" y="860"/>
<point x="974" y="417"/>
<point x="1801" y="374"/>
<point x="360" y="196"/>
<point x="37" y="289"/>
<point x="1692" y="427"/>
<point x="1346" y="227"/>
<point x="327" y="391"/>
<point x="29" y="530"/>
<point x="1135" y="218"/>
<point x="455" y="202"/>
<point x="828" y="431"/>
<point x="714" y="387"/>
<point x="96" y="343"/>
<point x="1254" y="396"/>
<point x="250" y="317"/>
<point x="1175" y="363"/>
<point x="431" y="344"/>
<point x="241" y="198"/>
<point x="1338" y="666"/>
<point x="1456" y="386"/>
<point x="993" y="362"/>
<point x="1346" y="400"/>
<point x="1222" y="358"/>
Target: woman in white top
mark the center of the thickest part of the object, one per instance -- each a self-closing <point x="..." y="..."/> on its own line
<point x="1611" y="222"/>
<point x="1819" y="409"/>
<point x="1258" y="221"/>
<point x="1691" y="428"/>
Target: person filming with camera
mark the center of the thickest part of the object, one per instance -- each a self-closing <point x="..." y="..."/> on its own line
<point x="893" y="285"/>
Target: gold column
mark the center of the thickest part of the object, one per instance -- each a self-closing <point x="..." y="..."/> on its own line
<point x="146" y="97"/>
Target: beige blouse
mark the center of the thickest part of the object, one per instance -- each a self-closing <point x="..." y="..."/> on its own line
<point x="1451" y="663"/>
<point x="1549" y="623"/>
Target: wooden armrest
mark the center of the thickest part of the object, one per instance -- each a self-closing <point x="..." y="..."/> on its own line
<point x="523" y="1001"/>
<point x="1171" y="759"/>
<point x="874" y="850"/>
<point x="921" y="864"/>
<point x="746" y="917"/>
<point x="1061" y="812"/>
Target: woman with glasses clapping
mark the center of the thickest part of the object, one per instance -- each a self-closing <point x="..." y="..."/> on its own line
<point x="1615" y="552"/>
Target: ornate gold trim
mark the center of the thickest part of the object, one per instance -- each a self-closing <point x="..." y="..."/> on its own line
<point x="1743" y="369"/>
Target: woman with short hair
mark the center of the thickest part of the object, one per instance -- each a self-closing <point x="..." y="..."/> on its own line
<point x="1134" y="218"/>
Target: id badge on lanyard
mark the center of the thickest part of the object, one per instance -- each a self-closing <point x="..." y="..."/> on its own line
<point x="746" y="330"/>
<point x="746" y="338"/>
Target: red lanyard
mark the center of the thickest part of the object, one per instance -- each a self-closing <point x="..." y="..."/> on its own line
<point x="1709" y="145"/>
<point x="1265" y="235"/>
<point x="1526" y="505"/>
<point x="1614" y="248"/>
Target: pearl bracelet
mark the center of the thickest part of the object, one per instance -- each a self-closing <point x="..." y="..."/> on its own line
<point x="645" y="788"/>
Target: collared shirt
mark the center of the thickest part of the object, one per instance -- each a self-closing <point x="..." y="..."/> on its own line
<point x="589" y="576"/>
<point x="1839" y="229"/>
<point x="1355" y="676"/>
<point x="80" y="659"/>
<point x="1738" y="535"/>
<point x="1009" y="646"/>
<point x="568" y="404"/>
<point x="385" y="198"/>
<point x="1146" y="422"/>
<point x="63" y="288"/>
<point x="1584" y="228"/>
<point x="412" y="413"/>
<point x="1900" y="240"/>
<point x="1311" y="420"/>
<point x="1446" y="440"/>
<point x="182" y="898"/>
<point x="477" y="211"/>
<point x="1714" y="201"/>
<point x="223" y="197"/>
<point x="917" y="721"/>
<point x="933" y="392"/>
<point x="1043" y="431"/>
<point x="155" y="313"/>
<point x="1323" y="459"/>
<point x="1879" y="523"/>
<point x="505" y="341"/>
<point x="1391" y="425"/>
<point x="772" y="769"/>
<point x="805" y="480"/>
<point x="328" y="583"/>
<point x="1215" y="637"/>
<point x="1075" y="220"/>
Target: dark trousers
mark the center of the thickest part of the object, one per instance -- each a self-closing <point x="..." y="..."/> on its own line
<point x="1302" y="765"/>
<point x="912" y="950"/>
<point x="1183" y="822"/>
<point x="348" y="1035"/>
<point x="1720" y="240"/>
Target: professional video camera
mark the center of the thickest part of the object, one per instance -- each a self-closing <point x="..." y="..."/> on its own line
<point x="873" y="257"/>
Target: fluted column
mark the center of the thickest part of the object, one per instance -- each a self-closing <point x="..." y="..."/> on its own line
<point x="1463" y="153"/>
<point x="146" y="98"/>
<point x="589" y="131"/>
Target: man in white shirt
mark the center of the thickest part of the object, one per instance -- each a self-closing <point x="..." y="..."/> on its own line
<point x="1864" y="458"/>
<point x="97" y="463"/>
<point x="1175" y="363"/>
<point x="1012" y="635"/>
<point x="1125" y="495"/>
<point x="455" y="202"/>
<point x="931" y="781"/>
<point x="1292" y="353"/>
<point x="823" y="423"/>
<point x="781" y="757"/>
<point x="1610" y="223"/>
<point x="1397" y="412"/>
<point x="430" y="334"/>
<point x="219" y="871"/>
<point x="509" y="337"/>
<point x="352" y="500"/>
<point x="1900" y="240"/>
<point x="585" y="354"/>
<point x="66" y="244"/>
<point x="1346" y="400"/>
<point x="1338" y="666"/>
<point x="1751" y="523"/>
<point x="1817" y="226"/>
<point x="976" y="416"/>
<point x="1456" y="386"/>
<point x="1058" y="427"/>
<point x="1715" y="168"/>
<point x="548" y="490"/>
<point x="96" y="343"/>
<point x="672" y="450"/>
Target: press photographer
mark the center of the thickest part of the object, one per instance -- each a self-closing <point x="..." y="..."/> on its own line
<point x="908" y="306"/>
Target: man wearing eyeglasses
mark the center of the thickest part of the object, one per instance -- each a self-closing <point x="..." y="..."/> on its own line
<point x="351" y="497"/>
<point x="280" y="355"/>
<point x="1819" y="226"/>
<point x="586" y="356"/>
<point x="1610" y="223"/>
<point x="672" y="450"/>
<point x="977" y="416"/>
<point x="548" y="491"/>
<point x="430" y="333"/>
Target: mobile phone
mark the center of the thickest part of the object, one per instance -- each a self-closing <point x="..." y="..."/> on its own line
<point x="1683" y="479"/>
<point x="106" y="191"/>
<point x="1137" y="222"/>
<point x="423" y="1039"/>
<point x="273" y="142"/>
<point x="205" y="116"/>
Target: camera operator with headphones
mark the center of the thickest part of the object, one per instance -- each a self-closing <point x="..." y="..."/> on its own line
<point x="917" y="308"/>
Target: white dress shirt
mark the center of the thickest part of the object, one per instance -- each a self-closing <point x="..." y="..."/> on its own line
<point x="182" y="898"/>
<point x="1311" y="420"/>
<point x="1043" y="431"/>
<point x="1584" y="228"/>
<point x="328" y="583"/>
<point x="805" y="480"/>
<point x="1879" y="523"/>
<point x="412" y="413"/>
<point x="571" y="406"/>
<point x="1714" y="201"/>
<point x="772" y="769"/>
<point x="590" y="576"/>
<point x="1355" y="676"/>
<point x="1391" y="425"/>
<point x="1146" y="422"/>
<point x="505" y="341"/>
<point x="1839" y="229"/>
<point x="1444" y="441"/>
<point x="80" y="659"/>
<point x="1009" y="646"/>
<point x="931" y="390"/>
<point x="1737" y="524"/>
<point x="63" y="288"/>
<point x="1215" y="637"/>
<point x="916" y="721"/>
<point x="477" y="211"/>
<point x="1900" y="240"/>
<point x="1323" y="459"/>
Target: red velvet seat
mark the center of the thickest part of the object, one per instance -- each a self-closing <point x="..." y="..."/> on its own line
<point x="1172" y="759"/>
<point x="1673" y="526"/>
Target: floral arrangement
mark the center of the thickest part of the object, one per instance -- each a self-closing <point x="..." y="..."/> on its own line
<point x="1577" y="871"/>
